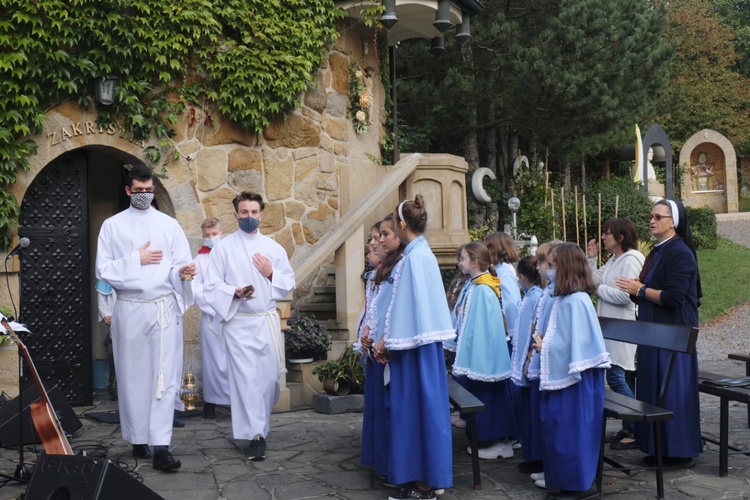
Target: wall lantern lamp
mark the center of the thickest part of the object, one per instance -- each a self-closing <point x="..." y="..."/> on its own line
<point x="105" y="90"/>
<point x="463" y="34"/>
<point x="437" y="46"/>
<point x="442" y="16"/>
<point x="389" y="19"/>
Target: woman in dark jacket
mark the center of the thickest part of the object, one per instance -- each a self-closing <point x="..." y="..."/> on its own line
<point x="668" y="291"/>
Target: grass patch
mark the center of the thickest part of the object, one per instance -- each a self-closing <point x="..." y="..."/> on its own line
<point x="724" y="278"/>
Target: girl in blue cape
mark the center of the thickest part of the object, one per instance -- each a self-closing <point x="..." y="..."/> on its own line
<point x="482" y="362"/>
<point x="531" y="437"/>
<point x="417" y="322"/>
<point x="573" y="359"/>
<point x="374" y="420"/>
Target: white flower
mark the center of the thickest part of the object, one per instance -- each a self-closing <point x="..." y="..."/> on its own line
<point x="360" y="116"/>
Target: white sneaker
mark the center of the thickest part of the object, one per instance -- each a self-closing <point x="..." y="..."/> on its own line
<point x="498" y="450"/>
<point x="537" y="476"/>
<point x="440" y="491"/>
<point x="540" y="483"/>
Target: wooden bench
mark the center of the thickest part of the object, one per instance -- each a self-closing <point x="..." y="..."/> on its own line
<point x="709" y="385"/>
<point x="746" y="359"/>
<point x="465" y="402"/>
<point x="673" y="338"/>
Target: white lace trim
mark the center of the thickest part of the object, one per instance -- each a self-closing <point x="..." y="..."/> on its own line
<point x="517" y="360"/>
<point x="600" y="361"/>
<point x="396" y="280"/>
<point x="480" y="377"/>
<point x="420" y="340"/>
<point x="464" y="303"/>
<point x="549" y="334"/>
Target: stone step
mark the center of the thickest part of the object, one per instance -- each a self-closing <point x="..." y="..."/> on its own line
<point x="317" y="307"/>
<point x="300" y="395"/>
<point x="324" y="289"/>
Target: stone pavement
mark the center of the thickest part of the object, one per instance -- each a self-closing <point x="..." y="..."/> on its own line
<point x="311" y="455"/>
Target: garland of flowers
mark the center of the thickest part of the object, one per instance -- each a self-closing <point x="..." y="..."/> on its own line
<point x="360" y="100"/>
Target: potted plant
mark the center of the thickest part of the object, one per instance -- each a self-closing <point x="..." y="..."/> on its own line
<point x="333" y="375"/>
<point x="354" y="374"/>
<point x="306" y="340"/>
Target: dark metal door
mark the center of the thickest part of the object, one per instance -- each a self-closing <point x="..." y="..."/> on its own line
<point x="55" y="281"/>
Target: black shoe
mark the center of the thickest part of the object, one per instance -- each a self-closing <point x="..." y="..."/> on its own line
<point x="573" y="495"/>
<point x="670" y="463"/>
<point x="141" y="451"/>
<point x="622" y="433"/>
<point x="163" y="460"/>
<point x="209" y="410"/>
<point x="413" y="492"/>
<point x="257" y="450"/>
<point x="178" y="422"/>
<point x="531" y="467"/>
<point x="622" y="445"/>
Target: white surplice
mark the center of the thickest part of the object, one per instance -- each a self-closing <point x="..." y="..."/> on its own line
<point x="147" y="319"/>
<point x="255" y="347"/>
<point x="213" y="351"/>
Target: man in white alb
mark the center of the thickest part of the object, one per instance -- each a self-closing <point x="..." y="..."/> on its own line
<point x="247" y="273"/>
<point x="144" y="255"/>
<point x="213" y="351"/>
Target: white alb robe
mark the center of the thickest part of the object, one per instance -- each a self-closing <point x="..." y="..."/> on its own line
<point x="252" y="332"/>
<point x="147" y="319"/>
<point x="213" y="351"/>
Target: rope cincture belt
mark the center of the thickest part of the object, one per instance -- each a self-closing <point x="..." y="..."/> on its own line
<point x="274" y="325"/>
<point x="164" y="319"/>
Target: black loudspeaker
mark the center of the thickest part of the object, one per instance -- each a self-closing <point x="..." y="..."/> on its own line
<point x="75" y="477"/>
<point x="9" y="417"/>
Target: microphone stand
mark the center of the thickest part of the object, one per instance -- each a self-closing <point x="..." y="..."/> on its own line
<point x="22" y="473"/>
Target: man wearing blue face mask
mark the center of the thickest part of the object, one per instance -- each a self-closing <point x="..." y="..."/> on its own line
<point x="247" y="273"/>
<point x="144" y="255"/>
<point x="215" y="373"/>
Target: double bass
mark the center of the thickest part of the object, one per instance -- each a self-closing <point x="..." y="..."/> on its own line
<point x="43" y="415"/>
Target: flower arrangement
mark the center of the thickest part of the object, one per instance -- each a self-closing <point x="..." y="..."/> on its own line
<point x="360" y="99"/>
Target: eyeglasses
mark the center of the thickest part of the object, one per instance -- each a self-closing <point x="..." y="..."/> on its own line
<point x="658" y="217"/>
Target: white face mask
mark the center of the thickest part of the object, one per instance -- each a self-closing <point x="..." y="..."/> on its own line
<point x="551" y="274"/>
<point x="210" y="242"/>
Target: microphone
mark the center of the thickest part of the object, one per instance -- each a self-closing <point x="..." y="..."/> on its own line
<point x="22" y="243"/>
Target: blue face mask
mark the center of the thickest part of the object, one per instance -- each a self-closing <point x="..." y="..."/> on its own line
<point x="248" y="224"/>
<point x="210" y="242"/>
<point x="551" y="274"/>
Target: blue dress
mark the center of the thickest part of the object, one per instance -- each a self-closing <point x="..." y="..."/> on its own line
<point x="416" y="323"/>
<point x="529" y="429"/>
<point x="374" y="418"/>
<point x="573" y="359"/>
<point x="482" y="363"/>
<point x="511" y="292"/>
<point x="671" y="268"/>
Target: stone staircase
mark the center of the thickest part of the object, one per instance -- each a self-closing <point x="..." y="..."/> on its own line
<point x="301" y="382"/>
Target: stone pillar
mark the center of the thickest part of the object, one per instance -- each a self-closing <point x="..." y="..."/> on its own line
<point x="283" y="309"/>
<point x="441" y="179"/>
<point x="350" y="297"/>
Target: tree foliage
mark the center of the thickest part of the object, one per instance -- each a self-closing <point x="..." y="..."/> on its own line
<point x="251" y="58"/>
<point x="705" y="90"/>
<point x="563" y="75"/>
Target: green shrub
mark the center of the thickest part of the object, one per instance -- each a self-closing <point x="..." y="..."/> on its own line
<point x="703" y="226"/>
<point x="306" y="337"/>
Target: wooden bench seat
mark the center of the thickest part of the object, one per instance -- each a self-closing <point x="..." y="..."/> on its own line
<point x="465" y="402"/>
<point x="725" y="395"/>
<point x="746" y="359"/>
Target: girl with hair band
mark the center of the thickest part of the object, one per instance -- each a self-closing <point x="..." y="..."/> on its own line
<point x="668" y="290"/>
<point x="482" y="363"/>
<point x="531" y="437"/>
<point x="531" y="367"/>
<point x="417" y="321"/>
<point x="374" y="420"/>
<point x="572" y="359"/>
